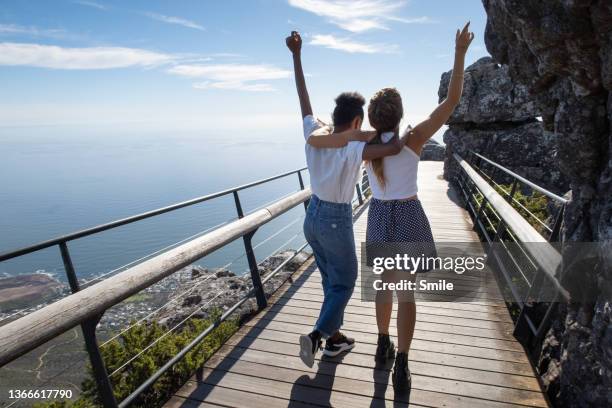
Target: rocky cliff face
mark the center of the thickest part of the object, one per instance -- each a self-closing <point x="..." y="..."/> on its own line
<point x="561" y="51"/>
<point x="498" y="118"/>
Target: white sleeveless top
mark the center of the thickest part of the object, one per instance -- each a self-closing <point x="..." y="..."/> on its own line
<point x="400" y="174"/>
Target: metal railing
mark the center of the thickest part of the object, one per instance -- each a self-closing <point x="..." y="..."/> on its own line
<point x="85" y="306"/>
<point x="532" y="259"/>
<point x="488" y="169"/>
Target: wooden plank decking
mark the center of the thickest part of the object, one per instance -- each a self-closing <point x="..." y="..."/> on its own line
<point x="462" y="355"/>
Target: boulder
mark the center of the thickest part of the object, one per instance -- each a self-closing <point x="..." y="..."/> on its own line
<point x="489" y="96"/>
<point x="433" y="151"/>
<point x="223" y="273"/>
<point x="499" y="119"/>
<point x="196" y="271"/>
<point x="191" y="300"/>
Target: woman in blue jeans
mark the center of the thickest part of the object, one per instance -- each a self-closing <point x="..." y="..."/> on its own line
<point x="329" y="225"/>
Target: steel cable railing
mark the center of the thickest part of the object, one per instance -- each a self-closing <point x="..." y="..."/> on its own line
<point x="551" y="227"/>
<point x="197" y="245"/>
<point x="192" y="313"/>
<point x="157" y="252"/>
<point x="89" y="326"/>
<point x="128" y="400"/>
<point x="274" y="235"/>
<point x="159" y="309"/>
<point x="191" y="289"/>
<point x="176" y="326"/>
<point x="178" y="297"/>
<point x="529" y="260"/>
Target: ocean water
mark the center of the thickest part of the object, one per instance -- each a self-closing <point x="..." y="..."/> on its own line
<point x="59" y="180"/>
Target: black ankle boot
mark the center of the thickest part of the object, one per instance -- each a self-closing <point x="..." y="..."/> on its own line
<point x="385" y="350"/>
<point x="402" y="380"/>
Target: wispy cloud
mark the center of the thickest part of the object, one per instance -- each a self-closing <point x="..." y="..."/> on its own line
<point x="175" y="20"/>
<point x="235" y="86"/>
<point x="226" y="55"/>
<point x="15" y="29"/>
<point x="92" y="4"/>
<point x="358" y="15"/>
<point x="413" y="20"/>
<point x="347" y="45"/>
<point x="243" y="77"/>
<point x="50" y="56"/>
<point x="222" y="76"/>
<point x="443" y="55"/>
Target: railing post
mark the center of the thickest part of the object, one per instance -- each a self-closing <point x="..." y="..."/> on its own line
<point x="260" y="295"/>
<point x="525" y="329"/>
<point x="470" y="157"/>
<point x="477" y="161"/>
<point x="238" y="205"/>
<point x="105" y="388"/>
<point x="501" y="229"/>
<point x="512" y="191"/>
<point x="556" y="229"/>
<point x="481" y="208"/>
<point x="299" y="173"/>
<point x="359" y="195"/>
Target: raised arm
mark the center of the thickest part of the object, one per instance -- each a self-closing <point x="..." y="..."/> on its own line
<point x="417" y="137"/>
<point x="294" y="43"/>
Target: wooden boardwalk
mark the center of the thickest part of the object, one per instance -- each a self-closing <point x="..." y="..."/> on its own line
<point x="462" y="355"/>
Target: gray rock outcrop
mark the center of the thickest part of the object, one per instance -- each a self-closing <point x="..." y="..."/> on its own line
<point x="490" y="96"/>
<point x="433" y="151"/>
<point x="219" y="289"/>
<point x="498" y="119"/>
<point x="561" y="51"/>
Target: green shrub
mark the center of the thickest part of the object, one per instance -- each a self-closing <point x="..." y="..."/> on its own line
<point x="537" y="204"/>
<point x="120" y="350"/>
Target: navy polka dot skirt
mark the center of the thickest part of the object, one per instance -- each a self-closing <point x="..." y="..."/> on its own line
<point x="398" y="226"/>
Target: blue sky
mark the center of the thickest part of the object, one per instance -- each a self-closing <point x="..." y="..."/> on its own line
<point x="220" y="65"/>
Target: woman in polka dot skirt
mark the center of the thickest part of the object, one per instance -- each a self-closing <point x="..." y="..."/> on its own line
<point x="395" y="213"/>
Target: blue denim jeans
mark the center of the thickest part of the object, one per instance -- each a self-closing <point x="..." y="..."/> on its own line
<point x="328" y="228"/>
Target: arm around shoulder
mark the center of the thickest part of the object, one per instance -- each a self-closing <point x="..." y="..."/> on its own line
<point x="324" y="138"/>
<point x="377" y="151"/>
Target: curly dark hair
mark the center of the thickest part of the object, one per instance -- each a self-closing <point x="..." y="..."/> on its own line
<point x="348" y="106"/>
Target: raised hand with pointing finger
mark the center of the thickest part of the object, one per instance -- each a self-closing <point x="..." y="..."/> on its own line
<point x="463" y="38"/>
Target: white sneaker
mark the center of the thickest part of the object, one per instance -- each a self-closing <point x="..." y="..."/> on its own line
<point x="333" y="348"/>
